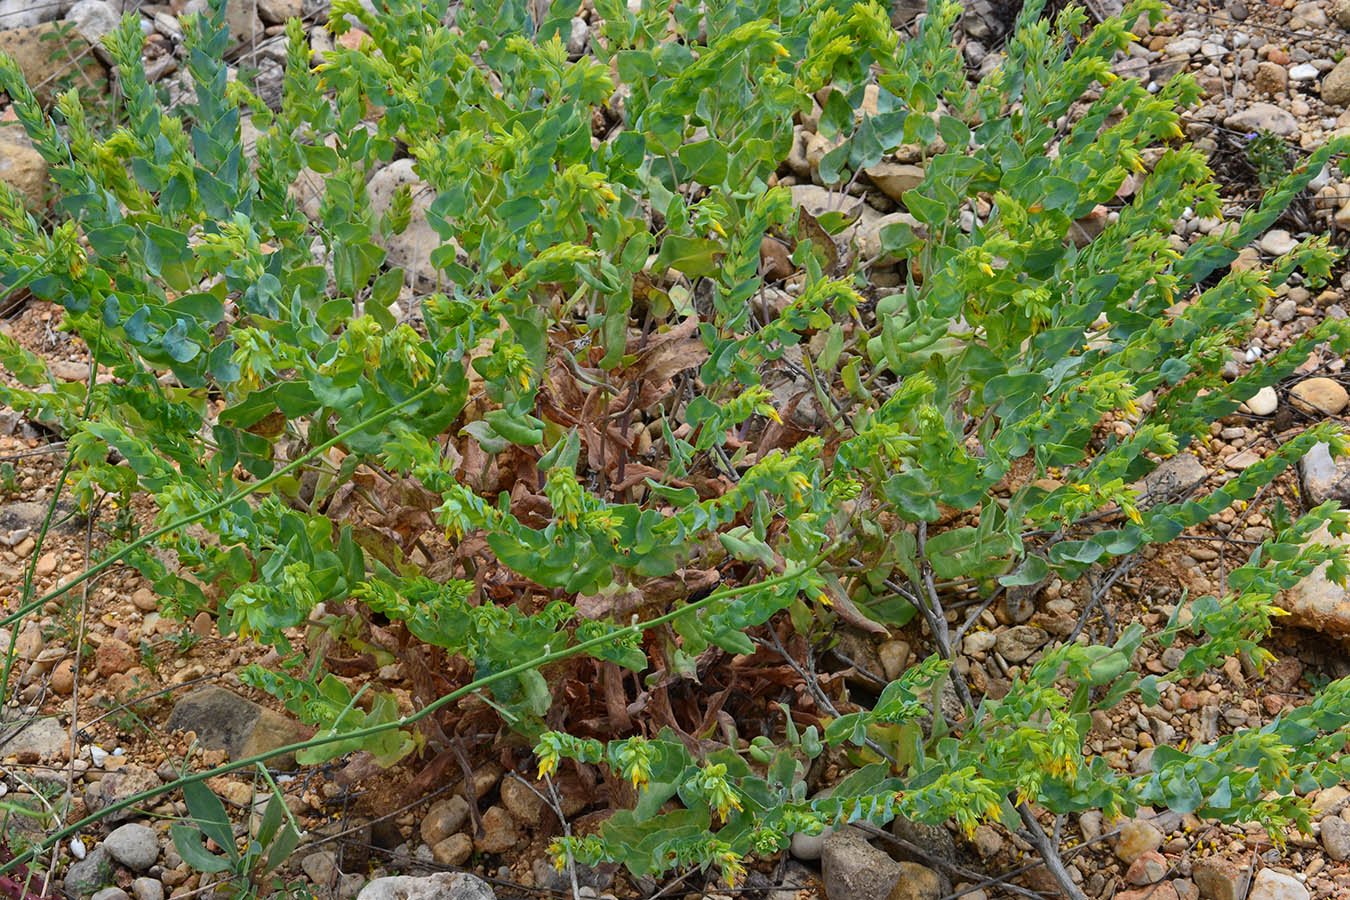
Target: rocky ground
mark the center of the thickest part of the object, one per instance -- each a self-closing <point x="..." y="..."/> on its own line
<point x="113" y="697"/>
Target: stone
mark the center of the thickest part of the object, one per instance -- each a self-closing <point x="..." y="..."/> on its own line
<point x="1220" y="879"/>
<point x="1135" y="838"/>
<point x="578" y="34"/>
<point x="895" y="178"/>
<point x="1319" y="395"/>
<point x="1259" y="116"/>
<point x="443" y="819"/>
<point x="145" y="888"/>
<point x="27" y="13"/>
<point x="1264" y="402"/>
<point x="1284" y="312"/>
<point x="112" y="893"/>
<point x="1147" y="868"/>
<point x="916" y="883"/>
<point x="1340" y="11"/>
<point x="1272" y="885"/>
<point x="453" y="851"/>
<point x="1243" y="460"/>
<point x="1020" y="641"/>
<point x="441" y="886"/>
<point x="818" y="200"/>
<point x="63" y="677"/>
<point x="320" y="867"/>
<point x="868" y="232"/>
<point x="411" y="249"/>
<point x="113" y="656"/>
<point x="44" y="738"/>
<point x="988" y="842"/>
<point x="145" y="600"/>
<point x="1186" y="46"/>
<point x="524" y="805"/>
<point x="21" y="166"/>
<point x="853" y="869"/>
<point x="222" y="720"/>
<point x="1271" y="78"/>
<point x="1330" y="801"/>
<point x="1336" y="838"/>
<point x="1174" y="478"/>
<point x="32" y="46"/>
<point x="118" y="785"/>
<point x="90" y="874"/>
<point x="133" y="845"/>
<point x="1303" y="72"/>
<point x="1324" y="477"/>
<point x="46" y="565"/>
<point x="276" y="12"/>
<point x="1164" y="891"/>
<point x="806" y="847"/>
<point x="1277" y="242"/>
<point x="894" y="658"/>
<point x="93" y="19"/>
<point x="1336" y="84"/>
<point x="500" y="833"/>
<point x="934" y="841"/>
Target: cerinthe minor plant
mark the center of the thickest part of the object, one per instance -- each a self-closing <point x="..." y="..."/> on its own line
<point x="577" y="414"/>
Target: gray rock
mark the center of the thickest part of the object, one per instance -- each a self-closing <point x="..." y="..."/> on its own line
<point x="26" y="13"/>
<point x="1315" y="602"/>
<point x="1174" y="478"/>
<point x="807" y="847"/>
<point x="444" y="818"/>
<point x="895" y="178"/>
<point x="147" y="889"/>
<point x="1336" y="837"/>
<point x="1020" y="641"/>
<point x="577" y="37"/>
<point x="222" y="720"/>
<point x="1272" y="885"/>
<point x="320" y="867"/>
<point x="276" y="12"/>
<point x="1325" y="478"/>
<point x="818" y="200"/>
<point x="441" y="886"/>
<point x="1264" y="402"/>
<point x="93" y="19"/>
<point x="1220" y="879"/>
<point x="112" y="893"/>
<point x="855" y="870"/>
<point x="1303" y="72"/>
<point x="547" y="878"/>
<point x="47" y="738"/>
<point x="1336" y="84"/>
<point x="22" y="166"/>
<point x="411" y="249"/>
<point x="1277" y="242"/>
<point x="1266" y="116"/>
<point x="90" y="874"/>
<point x="933" y="840"/>
<point x="117" y="786"/>
<point x="133" y="845"/>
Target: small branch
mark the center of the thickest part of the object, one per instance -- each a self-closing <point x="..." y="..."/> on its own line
<point x="1050" y="853"/>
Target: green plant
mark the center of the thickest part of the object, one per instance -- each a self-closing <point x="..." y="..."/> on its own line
<point x="268" y="845"/>
<point x="598" y="335"/>
<point x="1269" y="155"/>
